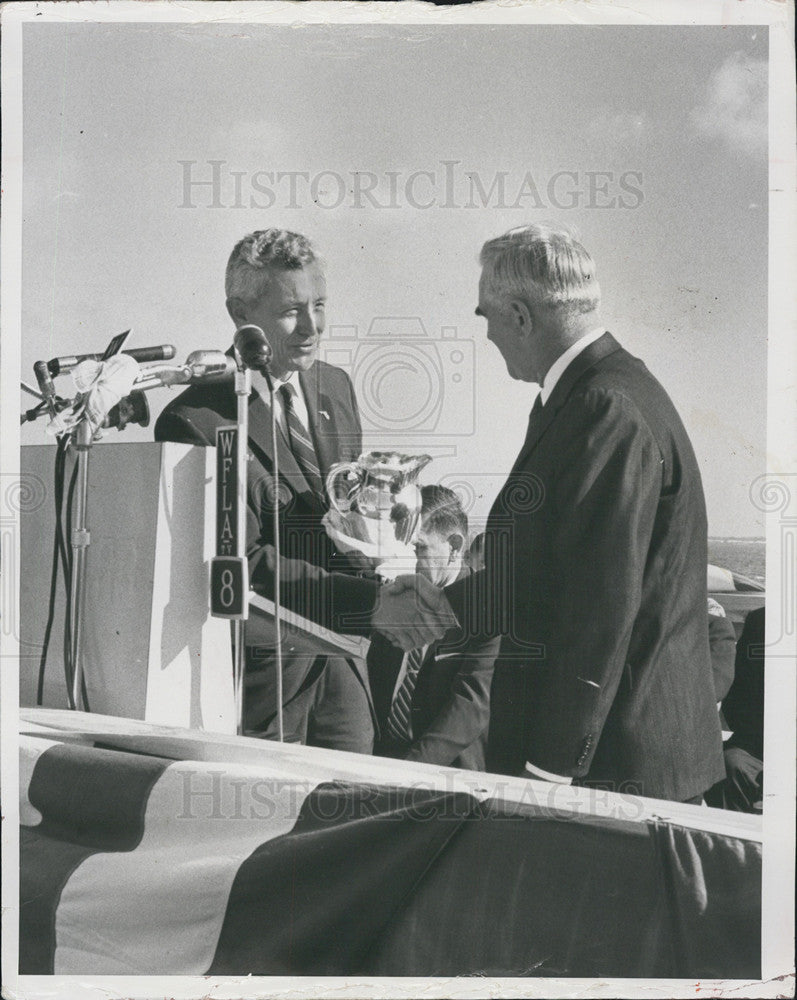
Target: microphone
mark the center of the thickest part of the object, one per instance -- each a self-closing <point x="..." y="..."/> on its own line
<point x="207" y="365"/>
<point x="199" y="367"/>
<point x="252" y="347"/>
<point x="163" y="352"/>
<point x="46" y="385"/>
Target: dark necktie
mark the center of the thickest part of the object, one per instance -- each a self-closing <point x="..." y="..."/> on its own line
<point x="299" y="440"/>
<point x="399" y="727"/>
<point x="534" y="417"/>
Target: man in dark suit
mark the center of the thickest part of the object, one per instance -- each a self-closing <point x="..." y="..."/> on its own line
<point x="595" y="549"/>
<point x="432" y="704"/>
<point x="742" y="789"/>
<point x="275" y="280"/>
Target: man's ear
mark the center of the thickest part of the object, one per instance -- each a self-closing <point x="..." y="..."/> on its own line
<point x="456" y="543"/>
<point x="521" y="315"/>
<point x="237" y="310"/>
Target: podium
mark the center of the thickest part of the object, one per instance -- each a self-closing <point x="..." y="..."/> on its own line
<point x="151" y="649"/>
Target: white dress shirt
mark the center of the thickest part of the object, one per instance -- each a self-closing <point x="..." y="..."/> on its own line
<point x="558" y="368"/>
<point x="299" y="402"/>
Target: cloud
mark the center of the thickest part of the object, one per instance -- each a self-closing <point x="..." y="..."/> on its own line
<point x="735" y="106"/>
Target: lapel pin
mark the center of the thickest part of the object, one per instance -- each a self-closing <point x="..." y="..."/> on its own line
<point x="324" y="414"/>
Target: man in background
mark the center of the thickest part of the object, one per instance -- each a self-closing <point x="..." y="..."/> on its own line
<point x="432" y="703"/>
<point x="722" y="648"/>
<point x="742" y="789"/>
<point x="275" y="280"/>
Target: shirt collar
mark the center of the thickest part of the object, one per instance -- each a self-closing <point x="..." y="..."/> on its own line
<point x="259" y="383"/>
<point x="559" y="366"/>
<point x="292" y="378"/>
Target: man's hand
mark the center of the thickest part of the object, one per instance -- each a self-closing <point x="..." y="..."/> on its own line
<point x="412" y="612"/>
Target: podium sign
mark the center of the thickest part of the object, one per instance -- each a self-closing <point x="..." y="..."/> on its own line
<point x="226" y="491"/>
<point x="229" y="583"/>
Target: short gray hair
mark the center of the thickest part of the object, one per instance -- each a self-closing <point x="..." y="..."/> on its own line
<point x="542" y="263"/>
<point x="247" y="269"/>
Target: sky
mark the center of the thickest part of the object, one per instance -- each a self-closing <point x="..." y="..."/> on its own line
<point x="149" y="150"/>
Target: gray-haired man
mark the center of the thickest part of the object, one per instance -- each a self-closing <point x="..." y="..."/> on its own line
<point x="275" y="280"/>
<point x="595" y="548"/>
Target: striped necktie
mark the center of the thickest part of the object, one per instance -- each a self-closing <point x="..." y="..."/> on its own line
<point x="299" y="440"/>
<point x="399" y="726"/>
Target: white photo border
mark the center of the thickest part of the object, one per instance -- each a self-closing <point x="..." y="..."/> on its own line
<point x="778" y="820"/>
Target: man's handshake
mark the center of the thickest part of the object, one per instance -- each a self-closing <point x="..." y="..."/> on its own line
<point x="412" y="612"/>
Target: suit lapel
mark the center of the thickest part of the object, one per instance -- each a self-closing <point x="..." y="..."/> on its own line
<point x="590" y="356"/>
<point x="321" y="417"/>
<point x="431" y="657"/>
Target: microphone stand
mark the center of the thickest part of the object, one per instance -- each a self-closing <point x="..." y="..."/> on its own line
<point x="82" y="439"/>
<point x="128" y="410"/>
<point x="243" y="387"/>
<point x="277" y="553"/>
<point x="81" y="539"/>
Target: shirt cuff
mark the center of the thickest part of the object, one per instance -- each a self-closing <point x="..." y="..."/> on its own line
<point x="537" y="772"/>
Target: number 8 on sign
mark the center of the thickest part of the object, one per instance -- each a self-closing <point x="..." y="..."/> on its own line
<point x="228" y="587"/>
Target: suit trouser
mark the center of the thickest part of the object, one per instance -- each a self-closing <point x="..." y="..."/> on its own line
<point x="326" y="701"/>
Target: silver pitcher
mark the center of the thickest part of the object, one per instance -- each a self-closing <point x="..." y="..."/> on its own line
<point x="381" y="486"/>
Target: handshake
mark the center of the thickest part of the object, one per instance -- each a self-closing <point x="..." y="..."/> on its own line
<point x="412" y="612"/>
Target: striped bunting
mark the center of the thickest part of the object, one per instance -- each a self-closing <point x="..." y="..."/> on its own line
<point x="141" y="865"/>
<point x="151" y="850"/>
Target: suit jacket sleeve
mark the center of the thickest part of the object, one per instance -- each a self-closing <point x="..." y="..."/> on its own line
<point x="337" y="601"/>
<point x="175" y="424"/>
<point x="466" y="713"/>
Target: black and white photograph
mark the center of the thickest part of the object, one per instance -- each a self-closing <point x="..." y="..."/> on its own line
<point x="398" y="499"/>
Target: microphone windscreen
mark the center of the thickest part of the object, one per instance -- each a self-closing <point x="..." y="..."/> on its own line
<point x="44" y="379"/>
<point x="253" y="347"/>
<point x="209" y="364"/>
<point x="163" y="352"/>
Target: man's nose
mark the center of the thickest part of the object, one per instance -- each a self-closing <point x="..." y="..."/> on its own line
<point x="310" y="325"/>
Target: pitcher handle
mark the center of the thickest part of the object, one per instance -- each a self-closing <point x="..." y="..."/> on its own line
<point x="340" y="468"/>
